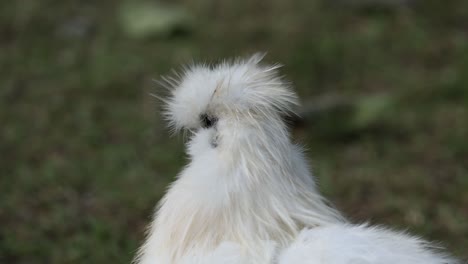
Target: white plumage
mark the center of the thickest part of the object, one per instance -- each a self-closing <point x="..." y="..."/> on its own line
<point x="247" y="195"/>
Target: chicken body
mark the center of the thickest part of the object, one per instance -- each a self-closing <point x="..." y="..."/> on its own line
<point x="247" y="195"/>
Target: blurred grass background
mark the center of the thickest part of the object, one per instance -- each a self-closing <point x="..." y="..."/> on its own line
<point x="85" y="155"/>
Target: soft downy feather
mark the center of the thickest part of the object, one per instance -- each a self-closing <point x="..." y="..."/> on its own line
<point x="360" y="244"/>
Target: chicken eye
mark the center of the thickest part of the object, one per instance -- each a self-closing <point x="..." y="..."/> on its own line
<point x="207" y="121"/>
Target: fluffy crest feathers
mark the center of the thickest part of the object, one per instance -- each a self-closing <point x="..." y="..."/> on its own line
<point x="240" y="90"/>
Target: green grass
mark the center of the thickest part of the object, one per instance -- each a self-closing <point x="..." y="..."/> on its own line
<point x="85" y="155"/>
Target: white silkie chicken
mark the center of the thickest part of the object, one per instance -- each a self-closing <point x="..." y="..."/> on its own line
<point x="247" y="196"/>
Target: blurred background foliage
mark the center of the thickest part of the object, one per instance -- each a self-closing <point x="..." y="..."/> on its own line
<point x="85" y="155"/>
